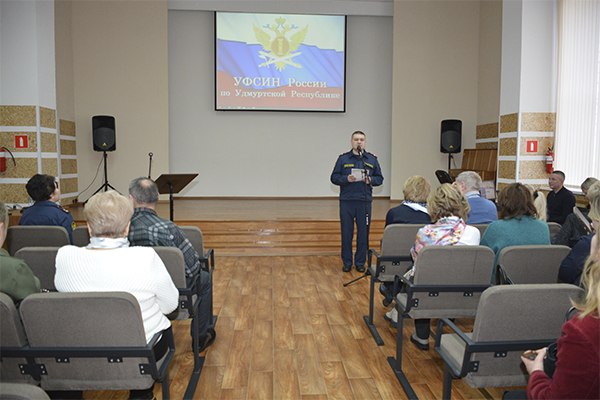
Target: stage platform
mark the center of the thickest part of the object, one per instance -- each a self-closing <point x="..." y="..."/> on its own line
<point x="262" y="227"/>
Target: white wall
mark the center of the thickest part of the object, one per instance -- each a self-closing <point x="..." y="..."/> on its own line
<point x="273" y="154"/>
<point x="120" y="66"/>
<point x="436" y="57"/>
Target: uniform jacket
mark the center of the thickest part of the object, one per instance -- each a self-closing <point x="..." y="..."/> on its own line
<point x="48" y="213"/>
<point x="356" y="190"/>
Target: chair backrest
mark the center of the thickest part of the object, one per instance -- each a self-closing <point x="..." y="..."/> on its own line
<point x="516" y="313"/>
<point x="81" y="236"/>
<point x="554" y="228"/>
<point x="397" y="241"/>
<point x="481" y="227"/>
<point x="12" y="334"/>
<point x="21" y="391"/>
<point x="451" y="266"/>
<point x="533" y="263"/>
<point x="194" y="235"/>
<point x="89" y="320"/>
<point x="42" y="261"/>
<point x="20" y="236"/>
<point x="173" y="259"/>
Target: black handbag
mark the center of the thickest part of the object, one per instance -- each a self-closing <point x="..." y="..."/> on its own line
<point x="501" y="277"/>
<point x="550" y="360"/>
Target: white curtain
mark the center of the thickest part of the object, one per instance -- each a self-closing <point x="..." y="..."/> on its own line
<point x="577" y="141"/>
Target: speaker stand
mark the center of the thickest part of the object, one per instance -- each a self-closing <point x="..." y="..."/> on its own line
<point x="449" y="159"/>
<point x="105" y="185"/>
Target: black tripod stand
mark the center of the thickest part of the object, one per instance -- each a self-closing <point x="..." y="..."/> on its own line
<point x="368" y="221"/>
<point x="105" y="185"/>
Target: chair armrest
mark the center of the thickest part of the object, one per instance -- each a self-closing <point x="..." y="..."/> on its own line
<point x="481" y="347"/>
<point x="208" y="261"/>
<point x="374" y="272"/>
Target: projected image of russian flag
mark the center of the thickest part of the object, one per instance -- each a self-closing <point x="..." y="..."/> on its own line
<point x="280" y="62"/>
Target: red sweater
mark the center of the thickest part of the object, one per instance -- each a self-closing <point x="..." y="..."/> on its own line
<point x="577" y="374"/>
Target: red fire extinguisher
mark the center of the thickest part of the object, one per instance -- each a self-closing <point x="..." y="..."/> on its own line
<point x="3" y="158"/>
<point x="549" y="161"/>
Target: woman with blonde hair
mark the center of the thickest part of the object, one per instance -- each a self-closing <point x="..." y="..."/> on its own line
<point x="539" y="202"/>
<point x="413" y="209"/>
<point x="449" y="208"/>
<point x="577" y="373"/>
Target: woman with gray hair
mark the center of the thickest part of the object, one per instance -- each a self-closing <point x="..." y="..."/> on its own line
<point x="108" y="264"/>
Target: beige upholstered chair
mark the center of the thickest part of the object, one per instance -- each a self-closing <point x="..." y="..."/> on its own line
<point x="207" y="257"/>
<point x="12" y="335"/>
<point x="481" y="227"/>
<point x="532" y="263"/>
<point x="42" y="261"/>
<point x="81" y="236"/>
<point x="554" y="227"/>
<point x="394" y="260"/>
<point x="20" y="236"/>
<point x="448" y="283"/>
<point x="93" y="341"/>
<point x="189" y="300"/>
<point x="21" y="391"/>
<point x="510" y="319"/>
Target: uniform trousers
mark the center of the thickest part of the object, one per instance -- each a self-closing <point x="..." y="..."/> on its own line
<point x="351" y="210"/>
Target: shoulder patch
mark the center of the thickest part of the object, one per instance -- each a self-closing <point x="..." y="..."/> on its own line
<point x="62" y="209"/>
<point x="343" y="154"/>
<point x="371" y="154"/>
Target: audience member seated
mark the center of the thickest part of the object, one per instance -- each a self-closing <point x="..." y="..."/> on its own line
<point x="571" y="267"/>
<point x="483" y="211"/>
<point x="560" y="201"/>
<point x="108" y="264"/>
<point x="574" y="229"/>
<point x="148" y="229"/>
<point x="43" y="190"/>
<point x="539" y="202"/>
<point x="413" y="210"/>
<point x="16" y="278"/>
<point x="577" y="373"/>
<point x="449" y="209"/>
<point x="518" y="224"/>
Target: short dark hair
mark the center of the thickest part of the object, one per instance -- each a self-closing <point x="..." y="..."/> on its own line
<point x="40" y="187"/>
<point x="144" y="191"/>
<point x="358" y="133"/>
<point x="559" y="173"/>
<point x="516" y="201"/>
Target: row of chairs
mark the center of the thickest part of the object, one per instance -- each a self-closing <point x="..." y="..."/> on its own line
<point x="20" y="236"/>
<point x="27" y="243"/>
<point x="452" y="281"/>
<point x="80" y="341"/>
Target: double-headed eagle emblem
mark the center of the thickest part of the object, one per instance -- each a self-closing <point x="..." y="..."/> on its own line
<point x="279" y="50"/>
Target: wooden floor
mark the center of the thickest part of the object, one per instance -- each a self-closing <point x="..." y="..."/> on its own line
<point x="288" y="329"/>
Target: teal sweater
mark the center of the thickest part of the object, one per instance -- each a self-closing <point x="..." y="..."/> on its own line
<point x="513" y="232"/>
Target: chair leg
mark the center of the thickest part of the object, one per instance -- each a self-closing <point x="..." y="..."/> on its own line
<point x="396" y="363"/>
<point x="369" y="318"/>
<point x="166" y="392"/>
<point x="447" y="391"/>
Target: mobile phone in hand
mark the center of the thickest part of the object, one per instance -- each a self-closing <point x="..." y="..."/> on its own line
<point x="530" y="354"/>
